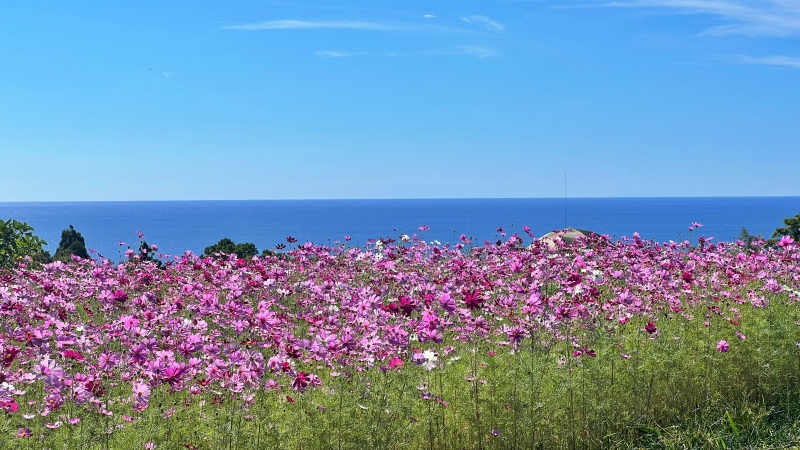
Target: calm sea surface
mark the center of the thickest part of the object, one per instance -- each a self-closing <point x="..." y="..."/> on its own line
<point x="177" y="226"/>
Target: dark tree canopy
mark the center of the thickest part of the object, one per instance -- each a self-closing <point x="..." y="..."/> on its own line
<point x="72" y="243"/>
<point x="147" y="252"/>
<point x="792" y="228"/>
<point x="226" y="246"/>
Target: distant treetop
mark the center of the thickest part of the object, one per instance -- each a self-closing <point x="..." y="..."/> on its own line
<point x="226" y="246"/>
<point x="72" y="243"/>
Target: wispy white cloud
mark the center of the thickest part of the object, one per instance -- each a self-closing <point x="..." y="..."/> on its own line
<point x="484" y="21"/>
<point x="306" y="24"/>
<point x="345" y="25"/>
<point x="750" y="18"/>
<point x="429" y="16"/>
<point x="167" y="74"/>
<point x="781" y="61"/>
<point x="334" y="54"/>
<point x="475" y="51"/>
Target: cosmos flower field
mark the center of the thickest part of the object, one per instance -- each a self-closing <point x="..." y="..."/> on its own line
<point x="403" y="343"/>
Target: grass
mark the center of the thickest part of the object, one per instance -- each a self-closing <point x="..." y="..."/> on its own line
<point x="674" y="391"/>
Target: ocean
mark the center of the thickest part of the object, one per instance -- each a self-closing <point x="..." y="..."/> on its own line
<point x="177" y="226"/>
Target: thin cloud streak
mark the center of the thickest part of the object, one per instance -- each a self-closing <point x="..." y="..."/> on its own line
<point x="475" y="51"/>
<point x="340" y="25"/>
<point x="756" y="18"/>
<point x="484" y="21"/>
<point x="309" y="24"/>
<point x="781" y="61"/>
<point x="334" y="54"/>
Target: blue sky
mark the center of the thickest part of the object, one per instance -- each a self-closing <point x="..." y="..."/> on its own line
<point x="398" y="99"/>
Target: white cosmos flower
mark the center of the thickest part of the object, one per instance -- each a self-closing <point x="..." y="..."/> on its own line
<point x="430" y="359"/>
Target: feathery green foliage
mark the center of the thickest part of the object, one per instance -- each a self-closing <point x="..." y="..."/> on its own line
<point x="18" y="241"/>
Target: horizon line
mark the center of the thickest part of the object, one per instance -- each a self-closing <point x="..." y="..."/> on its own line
<point x="2" y="202"/>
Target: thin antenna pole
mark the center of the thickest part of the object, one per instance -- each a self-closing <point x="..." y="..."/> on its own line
<point x="565" y="200"/>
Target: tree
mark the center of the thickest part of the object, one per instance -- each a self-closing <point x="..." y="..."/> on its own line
<point x="18" y="241"/>
<point x="72" y="243"/>
<point x="226" y="246"/>
<point x="748" y="238"/>
<point x="146" y="252"/>
<point x="246" y="250"/>
<point x="792" y="228"/>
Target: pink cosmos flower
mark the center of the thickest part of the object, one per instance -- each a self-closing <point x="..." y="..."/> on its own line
<point x="447" y="303"/>
<point x="406" y="304"/>
<point x="395" y="363"/>
<point x="72" y="354"/>
<point x="786" y="241"/>
<point x="473" y="299"/>
<point x="169" y="412"/>
<point x="24" y="433"/>
<point x="723" y="346"/>
<point x="533" y="305"/>
<point x="10" y="407"/>
<point x="141" y="396"/>
<point x="301" y="382"/>
<point x="9" y="355"/>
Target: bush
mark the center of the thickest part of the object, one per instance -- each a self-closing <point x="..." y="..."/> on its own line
<point x="18" y="241"/>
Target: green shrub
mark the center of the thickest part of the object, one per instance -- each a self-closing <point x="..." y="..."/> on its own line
<point x="18" y="241"/>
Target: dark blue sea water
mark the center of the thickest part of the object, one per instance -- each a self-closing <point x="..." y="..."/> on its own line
<point x="177" y="226"/>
